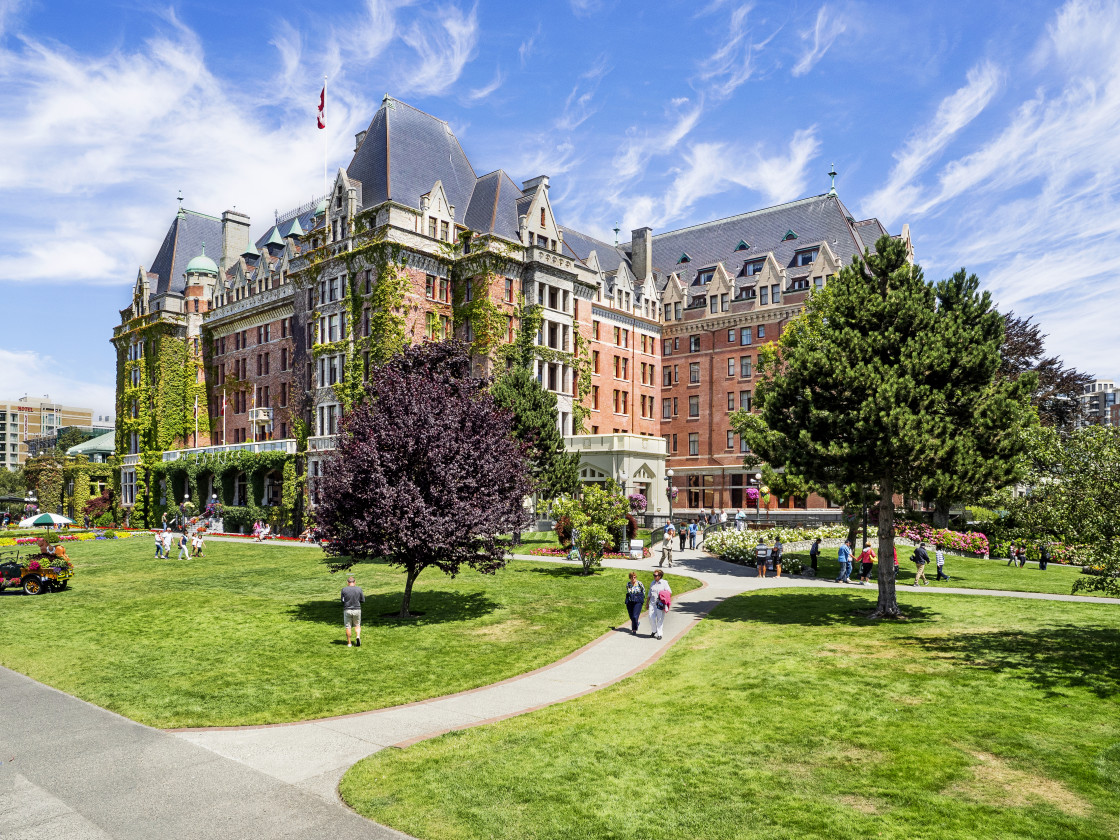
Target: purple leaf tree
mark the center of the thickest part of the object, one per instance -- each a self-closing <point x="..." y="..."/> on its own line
<point x="426" y="472"/>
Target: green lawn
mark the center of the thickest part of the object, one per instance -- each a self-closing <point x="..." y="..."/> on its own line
<point x="548" y="539"/>
<point x="966" y="572"/>
<point x="788" y="715"/>
<point x="253" y="634"/>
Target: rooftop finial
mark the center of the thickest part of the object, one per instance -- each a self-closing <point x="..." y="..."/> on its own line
<point x="204" y="249"/>
<point x="617" y="228"/>
<point x="180" y="200"/>
<point x="832" y="175"/>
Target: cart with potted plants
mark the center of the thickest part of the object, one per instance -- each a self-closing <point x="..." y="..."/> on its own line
<point x="45" y="571"/>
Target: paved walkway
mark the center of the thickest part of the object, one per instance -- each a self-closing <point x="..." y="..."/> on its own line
<point x="313" y="755"/>
<point x="102" y="776"/>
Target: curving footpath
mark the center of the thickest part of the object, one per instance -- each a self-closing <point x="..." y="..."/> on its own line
<point x="101" y="776"/>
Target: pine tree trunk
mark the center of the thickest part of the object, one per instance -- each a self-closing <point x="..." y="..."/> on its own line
<point x="888" y="600"/>
<point x="940" y="514"/>
<point x="853" y="527"/>
<point x="410" y="578"/>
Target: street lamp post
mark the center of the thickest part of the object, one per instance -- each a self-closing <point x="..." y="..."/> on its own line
<point x="669" y="491"/>
<point x="756" y="482"/>
<point x="622" y="542"/>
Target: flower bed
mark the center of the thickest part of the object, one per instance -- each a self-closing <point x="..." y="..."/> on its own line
<point x="970" y="542"/>
<point x="739" y="546"/>
<point x="249" y="536"/>
<point x="563" y="552"/>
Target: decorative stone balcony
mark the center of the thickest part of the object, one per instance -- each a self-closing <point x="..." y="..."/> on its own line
<point x="323" y="443"/>
<point x="287" y="445"/>
<point x="260" y="416"/>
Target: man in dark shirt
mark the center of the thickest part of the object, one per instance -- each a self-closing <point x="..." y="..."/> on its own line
<point x="352" y="600"/>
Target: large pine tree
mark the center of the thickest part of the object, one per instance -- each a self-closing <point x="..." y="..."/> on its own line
<point x="875" y="382"/>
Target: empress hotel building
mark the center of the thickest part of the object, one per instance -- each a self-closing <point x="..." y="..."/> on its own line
<point x="648" y="344"/>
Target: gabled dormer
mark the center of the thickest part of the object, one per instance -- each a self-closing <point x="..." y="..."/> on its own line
<point x="824" y="264"/>
<point x="624" y="286"/>
<point x="342" y="205"/>
<point x="673" y="299"/>
<point x="721" y="291"/>
<point x="141" y="290"/>
<point x="537" y="224"/>
<point x="437" y="215"/>
<point x="769" y="282"/>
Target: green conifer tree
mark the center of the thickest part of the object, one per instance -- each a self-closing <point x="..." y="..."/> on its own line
<point x="873" y="384"/>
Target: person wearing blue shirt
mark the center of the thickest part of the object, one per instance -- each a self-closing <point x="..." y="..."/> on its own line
<point x="693" y="528"/>
<point x="845" y="563"/>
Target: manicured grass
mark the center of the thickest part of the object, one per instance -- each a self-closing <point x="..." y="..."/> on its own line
<point x="788" y="715"/>
<point x="966" y="572"/>
<point x="253" y="633"/>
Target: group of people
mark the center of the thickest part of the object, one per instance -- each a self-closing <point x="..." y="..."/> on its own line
<point x="1017" y="555"/>
<point x="866" y="562"/>
<point x="261" y="531"/>
<point x="190" y="545"/>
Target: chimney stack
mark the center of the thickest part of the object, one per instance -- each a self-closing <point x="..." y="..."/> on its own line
<point x="530" y="186"/>
<point x="358" y="138"/>
<point x="235" y="239"/>
<point x="641" y="253"/>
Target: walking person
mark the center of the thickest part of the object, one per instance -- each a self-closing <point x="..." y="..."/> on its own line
<point x="667" y="546"/>
<point x="659" y="599"/>
<point x="1021" y="555"/>
<point x="352" y="600"/>
<point x="814" y="554"/>
<point x="761" y="558"/>
<point x="184" y="547"/>
<point x="1011" y="554"/>
<point x="693" y="528"/>
<point x="682" y="533"/>
<point x="635" y="599"/>
<point x="921" y="560"/>
<point x="166" y="544"/>
<point x="866" y="561"/>
<point x="845" y="558"/>
<point x="939" y="556"/>
<point x="200" y="540"/>
<point x="159" y="545"/>
<point x="776" y="557"/>
<point x="1043" y="556"/>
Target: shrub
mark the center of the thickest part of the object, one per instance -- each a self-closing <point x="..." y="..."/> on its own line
<point x="563" y="528"/>
<point x="105" y="520"/>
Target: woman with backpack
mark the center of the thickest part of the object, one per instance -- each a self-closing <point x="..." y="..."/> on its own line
<point x="635" y="599"/>
<point x="659" y="600"/>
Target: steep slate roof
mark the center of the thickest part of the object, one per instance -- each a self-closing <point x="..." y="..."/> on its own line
<point x="869" y="230"/>
<point x="493" y="206"/>
<point x="818" y="219"/>
<point x="182" y="243"/>
<point x="581" y="245"/>
<point x="404" y="152"/>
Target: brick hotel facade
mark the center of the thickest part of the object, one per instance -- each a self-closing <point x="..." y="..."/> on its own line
<point x="665" y="326"/>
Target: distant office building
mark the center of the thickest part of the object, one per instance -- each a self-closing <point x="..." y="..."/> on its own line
<point x="1099" y="404"/>
<point x="29" y="426"/>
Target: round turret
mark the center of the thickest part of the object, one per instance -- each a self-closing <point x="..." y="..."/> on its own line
<point x="202" y="264"/>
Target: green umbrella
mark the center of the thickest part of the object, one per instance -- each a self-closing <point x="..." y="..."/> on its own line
<point x="46" y="519"/>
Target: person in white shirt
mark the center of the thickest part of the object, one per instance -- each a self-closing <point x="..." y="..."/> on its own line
<point x="167" y="544"/>
<point x="940" y="556"/>
<point x="657" y="609"/>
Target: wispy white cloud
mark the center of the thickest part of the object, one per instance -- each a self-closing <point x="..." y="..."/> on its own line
<point x="480" y="93"/>
<point x="733" y="61"/>
<point x="579" y="104"/>
<point x="710" y="168"/>
<point x="585" y="8"/>
<point x="956" y="111"/>
<point x="828" y="27"/>
<point x="37" y="375"/>
<point x="444" y="42"/>
<point x="640" y="145"/>
<point x="1034" y="206"/>
<point x="525" y="50"/>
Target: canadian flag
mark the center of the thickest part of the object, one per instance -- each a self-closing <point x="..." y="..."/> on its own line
<point x="322" y="116"/>
<point x="222" y="409"/>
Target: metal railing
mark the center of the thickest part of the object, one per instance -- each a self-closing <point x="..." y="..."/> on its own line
<point x="287" y="445"/>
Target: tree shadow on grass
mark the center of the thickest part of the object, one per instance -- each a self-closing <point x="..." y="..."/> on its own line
<point x="1053" y="658"/>
<point x="437" y="607"/>
<point x="816" y="608"/>
<point x="569" y="571"/>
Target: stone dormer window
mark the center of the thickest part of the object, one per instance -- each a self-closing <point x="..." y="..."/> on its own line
<point x="752" y="267"/>
<point x="806" y="257"/>
<point x="705" y="277"/>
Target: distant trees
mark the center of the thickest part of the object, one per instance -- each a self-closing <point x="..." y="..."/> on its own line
<point x="888" y="381"/>
<point x="1057" y="387"/>
<point x="427" y="472"/>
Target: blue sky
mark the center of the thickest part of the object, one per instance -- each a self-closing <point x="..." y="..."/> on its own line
<point x="992" y="128"/>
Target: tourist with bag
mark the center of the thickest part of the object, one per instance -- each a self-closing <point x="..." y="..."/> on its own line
<point x="667" y="546"/>
<point x="635" y="599"/>
<point x="659" y="600"/>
